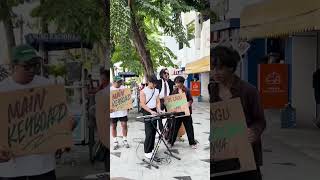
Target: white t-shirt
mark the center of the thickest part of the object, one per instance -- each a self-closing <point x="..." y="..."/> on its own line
<point x="162" y="89"/>
<point x="153" y="101"/>
<point x="118" y="114"/>
<point x="32" y="164"/>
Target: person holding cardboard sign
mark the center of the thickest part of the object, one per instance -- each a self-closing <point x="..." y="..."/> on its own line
<point x="226" y="85"/>
<point x="26" y="64"/>
<point x="121" y="116"/>
<point x="186" y="120"/>
<point x="150" y="104"/>
<point x="165" y="86"/>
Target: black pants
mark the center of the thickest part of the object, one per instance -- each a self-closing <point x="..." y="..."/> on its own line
<point x="188" y="124"/>
<point x="47" y="176"/>
<point x="250" y="175"/>
<point x="150" y="128"/>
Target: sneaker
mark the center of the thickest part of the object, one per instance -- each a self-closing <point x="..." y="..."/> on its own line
<point x="115" y="145"/>
<point x="181" y="139"/>
<point x="194" y="146"/>
<point x="125" y="143"/>
<point x="155" y="159"/>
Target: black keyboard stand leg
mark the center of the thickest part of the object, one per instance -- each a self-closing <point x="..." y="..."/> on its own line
<point x="168" y="152"/>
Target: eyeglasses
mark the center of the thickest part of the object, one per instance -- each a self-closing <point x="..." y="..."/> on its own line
<point x="166" y="73"/>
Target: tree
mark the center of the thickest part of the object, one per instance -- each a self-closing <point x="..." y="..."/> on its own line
<point x="139" y="23"/>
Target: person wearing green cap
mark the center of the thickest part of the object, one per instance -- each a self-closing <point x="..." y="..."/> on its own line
<point x="116" y="116"/>
<point x="25" y="65"/>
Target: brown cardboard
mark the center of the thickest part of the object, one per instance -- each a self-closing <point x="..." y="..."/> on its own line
<point x="121" y="99"/>
<point x="35" y="120"/>
<point x="230" y="138"/>
<point x="177" y="103"/>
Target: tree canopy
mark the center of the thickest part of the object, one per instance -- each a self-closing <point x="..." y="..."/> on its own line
<point x="154" y="18"/>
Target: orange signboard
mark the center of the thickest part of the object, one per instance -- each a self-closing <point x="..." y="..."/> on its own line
<point x="273" y="85"/>
<point x="195" y="88"/>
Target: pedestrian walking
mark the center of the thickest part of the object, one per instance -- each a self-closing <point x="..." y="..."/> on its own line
<point x="227" y="85"/>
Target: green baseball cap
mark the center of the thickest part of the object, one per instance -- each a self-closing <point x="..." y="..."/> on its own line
<point x="117" y="79"/>
<point x="24" y="54"/>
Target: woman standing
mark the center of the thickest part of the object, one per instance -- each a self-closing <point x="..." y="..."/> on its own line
<point x="186" y="120"/>
<point x="150" y="104"/>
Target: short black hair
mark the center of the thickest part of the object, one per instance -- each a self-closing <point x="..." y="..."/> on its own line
<point x="225" y="56"/>
<point x="179" y="79"/>
<point x="162" y="72"/>
<point x="152" y="79"/>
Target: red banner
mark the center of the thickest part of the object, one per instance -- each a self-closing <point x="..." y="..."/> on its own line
<point x="273" y="85"/>
<point x="195" y="88"/>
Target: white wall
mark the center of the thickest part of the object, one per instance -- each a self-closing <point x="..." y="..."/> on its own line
<point x="303" y="64"/>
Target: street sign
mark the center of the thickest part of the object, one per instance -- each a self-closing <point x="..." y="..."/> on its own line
<point x="273" y="85"/>
<point x="195" y="88"/>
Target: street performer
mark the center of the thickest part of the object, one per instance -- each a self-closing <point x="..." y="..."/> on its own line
<point x="186" y="120"/>
<point x="150" y="104"/>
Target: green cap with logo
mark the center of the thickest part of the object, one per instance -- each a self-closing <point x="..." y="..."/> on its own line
<point x="24" y="54"/>
<point x="117" y="79"/>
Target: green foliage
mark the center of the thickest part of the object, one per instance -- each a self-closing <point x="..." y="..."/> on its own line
<point x="6" y="7"/>
<point x="190" y="30"/>
<point x="57" y="70"/>
<point x="83" y="17"/>
<point x="129" y="58"/>
<point x="120" y="21"/>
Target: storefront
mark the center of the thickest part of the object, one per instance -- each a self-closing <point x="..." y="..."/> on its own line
<point x="198" y="71"/>
<point x="298" y="30"/>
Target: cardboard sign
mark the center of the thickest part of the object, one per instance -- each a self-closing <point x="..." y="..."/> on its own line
<point x="273" y="85"/>
<point x="195" y="88"/>
<point x="230" y="148"/>
<point x="121" y="99"/>
<point x="103" y="116"/>
<point x="177" y="103"/>
<point x="35" y="120"/>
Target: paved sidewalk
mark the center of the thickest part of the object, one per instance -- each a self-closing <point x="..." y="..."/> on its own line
<point x="127" y="163"/>
<point x="290" y="153"/>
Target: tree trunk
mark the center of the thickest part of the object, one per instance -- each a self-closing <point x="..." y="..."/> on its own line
<point x="140" y="40"/>
<point x="8" y="27"/>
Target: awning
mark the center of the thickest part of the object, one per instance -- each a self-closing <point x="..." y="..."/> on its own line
<point x="274" y="18"/>
<point x="199" y="66"/>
